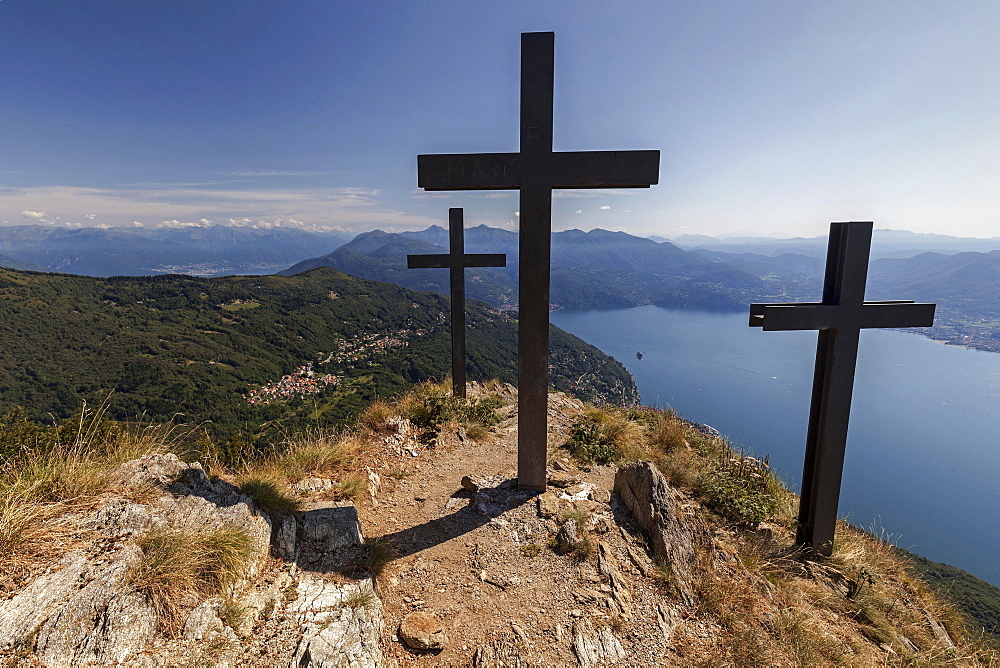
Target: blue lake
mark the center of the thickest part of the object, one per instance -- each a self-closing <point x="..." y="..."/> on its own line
<point x="923" y="451"/>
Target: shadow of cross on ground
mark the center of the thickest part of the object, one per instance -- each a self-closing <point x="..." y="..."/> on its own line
<point x="329" y="534"/>
<point x="485" y="505"/>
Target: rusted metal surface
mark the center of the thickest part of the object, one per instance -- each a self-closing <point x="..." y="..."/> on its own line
<point x="536" y="170"/>
<point x="840" y="317"/>
<point x="456" y="261"/>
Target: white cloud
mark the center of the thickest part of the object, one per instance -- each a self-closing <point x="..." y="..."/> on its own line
<point x="419" y="194"/>
<point x="90" y="216"/>
<point x="349" y="209"/>
<point x="277" y="172"/>
<point x="138" y="223"/>
<point x="517" y="213"/>
<point x="579" y="210"/>
<point x="605" y="207"/>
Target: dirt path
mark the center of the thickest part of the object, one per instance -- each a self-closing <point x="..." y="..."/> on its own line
<point x="483" y="563"/>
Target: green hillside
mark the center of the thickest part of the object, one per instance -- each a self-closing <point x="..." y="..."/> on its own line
<point x="978" y="598"/>
<point x="230" y="351"/>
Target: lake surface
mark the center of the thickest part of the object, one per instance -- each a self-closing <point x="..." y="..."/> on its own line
<point x="923" y="451"/>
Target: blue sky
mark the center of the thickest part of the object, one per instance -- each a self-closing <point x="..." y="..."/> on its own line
<point x="771" y="117"/>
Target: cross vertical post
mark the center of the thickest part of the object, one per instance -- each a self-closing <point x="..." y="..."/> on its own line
<point x="456" y="261"/>
<point x="534" y="258"/>
<point x="535" y="171"/>
<point x="840" y="317"/>
<point x="456" y="246"/>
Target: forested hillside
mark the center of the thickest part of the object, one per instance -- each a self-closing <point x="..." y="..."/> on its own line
<point x="240" y="352"/>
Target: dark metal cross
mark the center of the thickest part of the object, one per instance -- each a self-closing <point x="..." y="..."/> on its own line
<point x="456" y="260"/>
<point x="840" y="317"/>
<point x="536" y="171"/>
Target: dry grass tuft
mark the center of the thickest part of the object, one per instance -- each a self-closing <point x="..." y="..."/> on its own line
<point x="359" y="598"/>
<point x="316" y="452"/>
<point x="375" y="418"/>
<point x="181" y="566"/>
<point x="381" y="553"/>
<point x="269" y="494"/>
<point x="668" y="433"/>
<point x="53" y="475"/>
<point x="30" y="533"/>
<point x="351" y="486"/>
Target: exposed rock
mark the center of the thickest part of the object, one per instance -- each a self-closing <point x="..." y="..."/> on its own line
<point x="86" y="612"/>
<point x="568" y="537"/>
<point x="833" y="579"/>
<point x="668" y="619"/>
<point x="105" y="622"/>
<point x="499" y="579"/>
<point x="341" y="624"/>
<point x="374" y="485"/>
<point x="640" y="561"/>
<point x="563" y="480"/>
<point x="330" y="525"/>
<point x="157" y="470"/>
<point x="607" y="565"/>
<point x="402" y="437"/>
<point x="422" y="630"/>
<point x="601" y="495"/>
<point x="27" y="611"/>
<point x="121" y="518"/>
<point x="451" y="436"/>
<point x="285" y="537"/>
<point x="939" y="631"/>
<point x="314" y="485"/>
<point x="549" y="505"/>
<point x="501" y="653"/>
<point x="596" y="648"/>
<point x="469" y="484"/>
<point x="203" y="620"/>
<point x="257" y="604"/>
<point x="654" y="504"/>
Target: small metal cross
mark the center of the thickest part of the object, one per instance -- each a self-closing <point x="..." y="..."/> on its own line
<point x="536" y="171"/>
<point x="840" y="317"/>
<point x="456" y="260"/>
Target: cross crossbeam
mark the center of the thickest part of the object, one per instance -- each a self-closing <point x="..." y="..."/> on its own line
<point x="840" y="317"/>
<point x="536" y="170"/>
<point x="456" y="260"/>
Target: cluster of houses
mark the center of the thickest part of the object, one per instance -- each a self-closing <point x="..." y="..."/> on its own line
<point x="355" y="350"/>
<point x="305" y="380"/>
<point x="301" y="382"/>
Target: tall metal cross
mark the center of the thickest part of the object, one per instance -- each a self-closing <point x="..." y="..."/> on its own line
<point x="840" y="317"/>
<point x="536" y="170"/>
<point x="456" y="260"/>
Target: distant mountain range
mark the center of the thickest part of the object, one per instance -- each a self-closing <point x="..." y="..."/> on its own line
<point x="199" y="251"/>
<point x="596" y="269"/>
<point x="601" y="269"/>
<point x="885" y="243"/>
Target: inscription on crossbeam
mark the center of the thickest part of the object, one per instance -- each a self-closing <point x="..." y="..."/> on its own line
<point x="456" y="260"/>
<point x="840" y="317"/>
<point x="536" y="170"/>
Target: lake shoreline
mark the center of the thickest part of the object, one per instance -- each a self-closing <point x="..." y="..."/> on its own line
<point x="923" y="424"/>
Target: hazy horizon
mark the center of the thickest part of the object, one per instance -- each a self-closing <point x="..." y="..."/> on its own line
<point x="772" y="118"/>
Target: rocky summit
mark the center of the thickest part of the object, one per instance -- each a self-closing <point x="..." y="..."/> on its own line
<point x="419" y="549"/>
